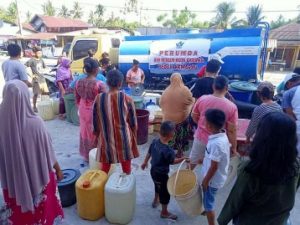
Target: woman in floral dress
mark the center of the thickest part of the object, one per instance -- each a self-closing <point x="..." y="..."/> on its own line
<point x="86" y="91"/>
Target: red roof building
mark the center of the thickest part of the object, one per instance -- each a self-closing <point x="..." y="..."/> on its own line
<point x="53" y="24"/>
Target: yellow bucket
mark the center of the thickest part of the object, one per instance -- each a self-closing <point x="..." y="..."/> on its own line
<point x="183" y="185"/>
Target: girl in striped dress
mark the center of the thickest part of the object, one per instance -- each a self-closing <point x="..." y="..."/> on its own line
<point x="115" y="125"/>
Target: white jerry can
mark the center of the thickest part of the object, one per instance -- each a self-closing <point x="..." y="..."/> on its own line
<point x="95" y="165"/>
<point x="45" y="110"/>
<point x="120" y="198"/>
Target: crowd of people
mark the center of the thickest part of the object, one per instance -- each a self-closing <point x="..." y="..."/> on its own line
<point x="266" y="185"/>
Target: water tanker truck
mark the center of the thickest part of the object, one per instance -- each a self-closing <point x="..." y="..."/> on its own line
<point x="243" y="51"/>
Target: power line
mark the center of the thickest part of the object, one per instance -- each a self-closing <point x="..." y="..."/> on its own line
<point x="195" y="11"/>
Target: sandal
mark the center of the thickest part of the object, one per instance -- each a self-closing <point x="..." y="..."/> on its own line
<point x="170" y="216"/>
<point x="35" y="110"/>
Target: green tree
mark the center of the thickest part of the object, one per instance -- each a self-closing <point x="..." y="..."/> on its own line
<point x="201" y="25"/>
<point x="28" y="16"/>
<point x="99" y="10"/>
<point x="254" y="15"/>
<point x="48" y="9"/>
<point x="76" y="12"/>
<point x="130" y="6"/>
<point x="64" y="12"/>
<point x="181" y="19"/>
<point x="279" y="22"/>
<point x="2" y="13"/>
<point x="96" y="17"/>
<point x="117" y="22"/>
<point x="92" y="18"/>
<point x="224" y="18"/>
<point x="11" y="14"/>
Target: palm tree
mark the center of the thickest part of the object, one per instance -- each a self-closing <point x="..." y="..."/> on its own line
<point x="48" y="8"/>
<point x="77" y="11"/>
<point x="254" y="15"/>
<point x="64" y="12"/>
<point x="92" y="18"/>
<point x="100" y="10"/>
<point x="225" y="11"/>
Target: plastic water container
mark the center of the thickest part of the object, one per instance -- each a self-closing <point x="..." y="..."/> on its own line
<point x="120" y="198"/>
<point x="184" y="187"/>
<point x="45" y="97"/>
<point x="138" y="102"/>
<point x="71" y="109"/>
<point x="244" y="96"/>
<point x="143" y="122"/>
<point x="90" y="194"/>
<point x="153" y="97"/>
<point x="55" y="105"/>
<point x="66" y="187"/>
<point x="151" y="127"/>
<point x="95" y="165"/>
<point x="45" y="110"/>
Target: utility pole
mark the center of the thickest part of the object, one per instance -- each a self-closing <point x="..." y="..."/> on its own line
<point x="19" y="19"/>
<point x="141" y="9"/>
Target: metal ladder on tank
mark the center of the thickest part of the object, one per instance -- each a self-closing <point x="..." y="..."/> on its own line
<point x="264" y="51"/>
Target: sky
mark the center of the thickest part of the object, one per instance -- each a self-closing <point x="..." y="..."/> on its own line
<point x="278" y="7"/>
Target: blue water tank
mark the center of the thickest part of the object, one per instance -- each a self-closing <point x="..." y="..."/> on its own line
<point x="240" y="50"/>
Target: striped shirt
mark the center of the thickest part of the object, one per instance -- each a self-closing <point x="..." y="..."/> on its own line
<point x="259" y="112"/>
<point x="115" y="124"/>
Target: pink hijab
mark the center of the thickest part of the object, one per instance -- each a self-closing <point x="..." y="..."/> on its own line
<point x="26" y="154"/>
<point x="64" y="71"/>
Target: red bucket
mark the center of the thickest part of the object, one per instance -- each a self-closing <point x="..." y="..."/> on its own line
<point x="143" y="122"/>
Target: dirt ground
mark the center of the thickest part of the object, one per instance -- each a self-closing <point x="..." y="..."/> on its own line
<point x="65" y="137"/>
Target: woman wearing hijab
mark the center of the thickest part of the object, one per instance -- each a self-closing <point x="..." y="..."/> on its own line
<point x="86" y="91"/>
<point x="63" y="80"/>
<point x="27" y="162"/>
<point x="266" y="186"/>
<point x="176" y="103"/>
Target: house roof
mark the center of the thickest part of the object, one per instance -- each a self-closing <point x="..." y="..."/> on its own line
<point x="51" y="21"/>
<point x="28" y="26"/>
<point x="289" y="32"/>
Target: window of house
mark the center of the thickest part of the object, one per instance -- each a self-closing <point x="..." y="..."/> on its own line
<point x="279" y="54"/>
<point x="81" y="48"/>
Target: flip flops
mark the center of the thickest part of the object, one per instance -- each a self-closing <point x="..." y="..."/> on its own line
<point x="170" y="216"/>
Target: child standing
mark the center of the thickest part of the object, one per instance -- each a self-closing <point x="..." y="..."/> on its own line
<point x="216" y="161"/>
<point x="37" y="66"/>
<point x="162" y="156"/>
